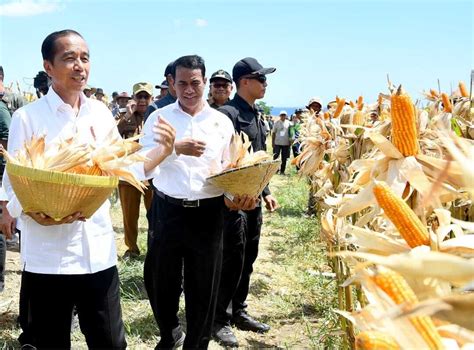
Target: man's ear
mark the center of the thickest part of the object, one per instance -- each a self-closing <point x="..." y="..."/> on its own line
<point x="47" y="67"/>
<point x="205" y="81"/>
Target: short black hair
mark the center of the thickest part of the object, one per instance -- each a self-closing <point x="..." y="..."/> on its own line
<point x="48" y="48"/>
<point x="1" y="74"/>
<point x="190" y="62"/>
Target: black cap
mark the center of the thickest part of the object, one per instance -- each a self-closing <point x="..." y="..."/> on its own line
<point x="99" y="91"/>
<point x="163" y="85"/>
<point x="249" y="66"/>
<point x="169" y="69"/>
<point x="221" y="74"/>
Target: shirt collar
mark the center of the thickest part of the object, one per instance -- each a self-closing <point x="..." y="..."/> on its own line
<point x="177" y="107"/>
<point x="55" y="101"/>
<point x="243" y="104"/>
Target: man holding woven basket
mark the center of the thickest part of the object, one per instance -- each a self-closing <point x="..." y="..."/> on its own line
<point x="189" y="210"/>
<point x="70" y="262"/>
<point x="242" y="228"/>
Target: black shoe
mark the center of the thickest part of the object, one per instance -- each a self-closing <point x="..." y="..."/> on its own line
<point x="175" y="342"/>
<point x="245" y="322"/>
<point x="224" y="336"/>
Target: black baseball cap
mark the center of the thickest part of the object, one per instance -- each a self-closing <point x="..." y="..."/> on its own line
<point x="249" y="66"/>
<point x="221" y="74"/>
<point x="163" y="85"/>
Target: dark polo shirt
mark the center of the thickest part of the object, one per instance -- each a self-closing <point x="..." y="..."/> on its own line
<point x="245" y="118"/>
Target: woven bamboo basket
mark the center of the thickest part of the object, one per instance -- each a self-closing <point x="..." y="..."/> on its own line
<point x="249" y="180"/>
<point x="59" y="194"/>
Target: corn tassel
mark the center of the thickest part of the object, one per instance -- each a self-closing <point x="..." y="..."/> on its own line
<point x="371" y="340"/>
<point x="400" y="214"/>
<point x="404" y="132"/>
<point x="462" y="90"/>
<point x="448" y="107"/>
<point x="395" y="286"/>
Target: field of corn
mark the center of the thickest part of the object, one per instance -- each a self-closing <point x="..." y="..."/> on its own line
<point x="393" y="183"/>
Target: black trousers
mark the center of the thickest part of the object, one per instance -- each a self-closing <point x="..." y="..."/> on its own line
<point x="193" y="237"/>
<point x="285" y="154"/>
<point x="241" y="239"/>
<point x="51" y="300"/>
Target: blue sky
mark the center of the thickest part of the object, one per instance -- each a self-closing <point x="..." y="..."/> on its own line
<point x="320" y="48"/>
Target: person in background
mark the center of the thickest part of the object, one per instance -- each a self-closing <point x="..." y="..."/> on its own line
<point x="121" y="108"/>
<point x="89" y="92"/>
<point x="99" y="95"/>
<point x="220" y="88"/>
<point x="163" y="87"/>
<point x="314" y="106"/>
<point x="169" y="98"/>
<point x="261" y="116"/>
<point x="187" y="245"/>
<point x="130" y="124"/>
<point x="281" y="140"/>
<point x="5" y="232"/>
<point x="113" y="104"/>
<point x="41" y="83"/>
<point x="295" y="130"/>
<point x="242" y="228"/>
<point x="12" y="100"/>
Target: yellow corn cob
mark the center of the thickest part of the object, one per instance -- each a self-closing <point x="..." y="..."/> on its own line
<point x="448" y="107"/>
<point x="400" y="214"/>
<point x="395" y="286"/>
<point x="358" y="118"/>
<point x="463" y="90"/>
<point x="360" y="103"/>
<point x="434" y="93"/>
<point x="371" y="340"/>
<point x="340" y="105"/>
<point x="326" y="115"/>
<point x="352" y="104"/>
<point x="404" y="133"/>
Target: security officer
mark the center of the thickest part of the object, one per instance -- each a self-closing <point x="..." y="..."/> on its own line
<point x="242" y="228"/>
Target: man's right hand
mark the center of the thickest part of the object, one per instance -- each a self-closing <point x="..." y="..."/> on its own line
<point x="7" y="222"/>
<point x="190" y="147"/>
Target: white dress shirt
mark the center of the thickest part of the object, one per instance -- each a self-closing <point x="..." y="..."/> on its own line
<point x="79" y="247"/>
<point x="182" y="176"/>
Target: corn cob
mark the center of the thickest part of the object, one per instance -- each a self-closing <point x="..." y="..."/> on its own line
<point x="395" y="286"/>
<point x="352" y="104"/>
<point x="326" y="115"/>
<point x="360" y="103"/>
<point x="404" y="133"/>
<point x="462" y="90"/>
<point x="358" y="118"/>
<point x="434" y="93"/>
<point x="371" y="340"/>
<point x="405" y="220"/>
<point x="448" y="107"/>
<point x="340" y="105"/>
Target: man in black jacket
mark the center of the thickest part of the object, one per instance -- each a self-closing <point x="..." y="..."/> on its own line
<point x="242" y="228"/>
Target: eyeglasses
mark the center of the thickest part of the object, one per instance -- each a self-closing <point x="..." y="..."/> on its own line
<point x="261" y="78"/>
<point x="221" y="85"/>
<point x="142" y="96"/>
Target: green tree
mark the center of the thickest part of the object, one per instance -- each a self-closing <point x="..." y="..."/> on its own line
<point x="267" y="110"/>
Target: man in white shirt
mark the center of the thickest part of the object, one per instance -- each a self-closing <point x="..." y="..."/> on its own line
<point x="71" y="262"/>
<point x="189" y="210"/>
<point x="281" y="140"/>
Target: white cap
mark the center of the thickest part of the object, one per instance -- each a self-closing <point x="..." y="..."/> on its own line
<point x="283" y="112"/>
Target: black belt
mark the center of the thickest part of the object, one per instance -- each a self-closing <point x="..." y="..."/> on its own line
<point x="187" y="203"/>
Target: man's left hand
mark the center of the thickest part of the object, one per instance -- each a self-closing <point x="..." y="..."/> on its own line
<point x="242" y="202"/>
<point x="270" y="203"/>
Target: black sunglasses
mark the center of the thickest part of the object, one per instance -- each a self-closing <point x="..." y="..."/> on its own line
<point x="261" y="78"/>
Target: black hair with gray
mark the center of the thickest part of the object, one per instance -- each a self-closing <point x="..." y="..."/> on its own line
<point x="48" y="48"/>
<point x="190" y="62"/>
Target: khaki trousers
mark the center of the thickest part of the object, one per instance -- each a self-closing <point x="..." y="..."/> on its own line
<point x="130" y="202"/>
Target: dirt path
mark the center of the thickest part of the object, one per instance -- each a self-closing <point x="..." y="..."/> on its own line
<point x="272" y="282"/>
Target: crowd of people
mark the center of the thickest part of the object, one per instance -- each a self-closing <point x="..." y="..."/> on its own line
<point x="200" y="242"/>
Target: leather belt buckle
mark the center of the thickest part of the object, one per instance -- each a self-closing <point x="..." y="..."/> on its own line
<point x="190" y="204"/>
